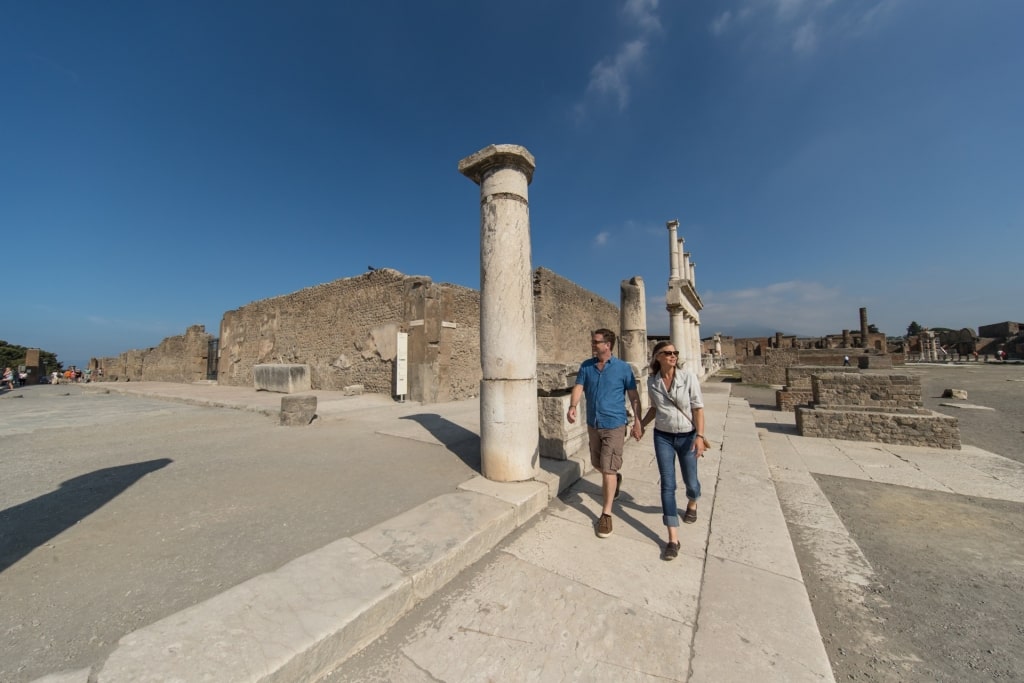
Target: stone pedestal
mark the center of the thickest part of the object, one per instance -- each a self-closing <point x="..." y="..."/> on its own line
<point x="282" y="378"/>
<point x="297" y="411"/>
<point x="559" y="440"/>
<point x="508" y="335"/>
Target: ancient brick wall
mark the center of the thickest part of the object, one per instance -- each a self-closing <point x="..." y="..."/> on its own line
<point x="762" y="374"/>
<point x="565" y="315"/>
<point x="1003" y="329"/>
<point x="346" y="332"/>
<point x="909" y="428"/>
<point x="799" y="376"/>
<point x="884" y="408"/>
<point x="874" y="391"/>
<point x="180" y="358"/>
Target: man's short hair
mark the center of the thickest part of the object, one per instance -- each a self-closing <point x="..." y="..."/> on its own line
<point x="607" y="335"/>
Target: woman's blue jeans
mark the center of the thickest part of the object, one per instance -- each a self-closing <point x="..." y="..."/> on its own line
<point x="667" y="447"/>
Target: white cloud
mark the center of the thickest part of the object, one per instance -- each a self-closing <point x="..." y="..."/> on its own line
<point x="803" y="25"/>
<point x="721" y="23"/>
<point x="602" y="238"/>
<point x="792" y="307"/>
<point x="805" y="39"/>
<point x="644" y="14"/>
<point x="612" y="75"/>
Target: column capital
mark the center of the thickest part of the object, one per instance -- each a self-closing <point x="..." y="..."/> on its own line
<point x="672" y="225"/>
<point x="476" y="166"/>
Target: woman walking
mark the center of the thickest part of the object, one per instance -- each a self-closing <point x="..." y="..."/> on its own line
<point x="677" y="410"/>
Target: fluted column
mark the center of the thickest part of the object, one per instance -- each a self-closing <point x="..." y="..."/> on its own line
<point x="508" y="334"/>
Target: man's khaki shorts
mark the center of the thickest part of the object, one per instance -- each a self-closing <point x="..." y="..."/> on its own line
<point x="606" y="448"/>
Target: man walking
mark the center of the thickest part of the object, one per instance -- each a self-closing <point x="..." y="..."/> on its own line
<point x="604" y="379"/>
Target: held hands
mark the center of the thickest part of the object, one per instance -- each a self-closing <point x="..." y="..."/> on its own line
<point x="638" y="430"/>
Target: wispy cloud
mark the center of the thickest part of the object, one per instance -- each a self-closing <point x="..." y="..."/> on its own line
<point x="804" y="26"/>
<point x="601" y="239"/>
<point x="613" y="75"/>
<point x="793" y="307"/>
<point x="805" y="39"/>
<point x="721" y="23"/>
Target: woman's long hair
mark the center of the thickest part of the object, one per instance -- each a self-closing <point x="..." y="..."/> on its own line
<point x="655" y="365"/>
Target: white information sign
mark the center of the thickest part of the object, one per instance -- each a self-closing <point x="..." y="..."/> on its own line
<point x="402" y="365"/>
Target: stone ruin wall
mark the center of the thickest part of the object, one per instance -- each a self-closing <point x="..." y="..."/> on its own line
<point x="880" y="408"/>
<point x="867" y="390"/>
<point x="346" y="331"/>
<point x="176" y="359"/>
<point x="798" y="390"/>
<point x="566" y="314"/>
<point x="771" y="367"/>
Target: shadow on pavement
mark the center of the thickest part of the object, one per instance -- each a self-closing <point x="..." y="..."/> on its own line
<point x="621" y="510"/>
<point x="28" y="525"/>
<point x="777" y="428"/>
<point x="456" y="438"/>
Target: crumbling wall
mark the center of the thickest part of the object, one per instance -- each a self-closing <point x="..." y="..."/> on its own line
<point x="344" y="330"/>
<point x="909" y="428"/>
<point x="565" y="315"/>
<point x="884" y="408"/>
<point x="870" y="391"/>
<point x="180" y="358"/>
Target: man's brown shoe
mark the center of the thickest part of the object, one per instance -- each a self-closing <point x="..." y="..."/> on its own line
<point x="604" y="526"/>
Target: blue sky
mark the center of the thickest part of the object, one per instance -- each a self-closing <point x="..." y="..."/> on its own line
<point x="163" y="162"/>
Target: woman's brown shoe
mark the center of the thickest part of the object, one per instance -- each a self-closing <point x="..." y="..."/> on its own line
<point x="671" y="551"/>
<point x="691" y="515"/>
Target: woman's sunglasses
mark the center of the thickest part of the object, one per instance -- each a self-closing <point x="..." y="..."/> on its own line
<point x="669" y="353"/>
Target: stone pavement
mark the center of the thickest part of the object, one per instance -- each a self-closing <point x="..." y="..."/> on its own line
<point x="554" y="602"/>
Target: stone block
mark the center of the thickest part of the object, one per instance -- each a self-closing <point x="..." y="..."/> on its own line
<point x="282" y="378"/>
<point x="297" y="411"/>
<point x="955" y="393"/>
<point x="555" y="378"/>
<point x="352" y="390"/>
<point x="559" y="439"/>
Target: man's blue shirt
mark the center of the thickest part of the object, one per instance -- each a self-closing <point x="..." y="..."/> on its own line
<point x="605" y="391"/>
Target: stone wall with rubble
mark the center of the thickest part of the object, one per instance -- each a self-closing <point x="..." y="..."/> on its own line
<point x="566" y="314"/>
<point x="867" y="390"/>
<point x="180" y="358"/>
<point x="884" y="408"/>
<point x="346" y="331"/>
<point x="798" y="389"/>
<point x="908" y="427"/>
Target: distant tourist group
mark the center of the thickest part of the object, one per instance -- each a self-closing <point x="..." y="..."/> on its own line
<point x="72" y="375"/>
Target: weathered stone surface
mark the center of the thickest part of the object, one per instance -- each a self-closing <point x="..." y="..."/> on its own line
<point x="556" y="378"/>
<point x="282" y="378"/>
<point x="955" y="393"/>
<point x="353" y="390"/>
<point x="559" y="439"/>
<point x="297" y="411"/>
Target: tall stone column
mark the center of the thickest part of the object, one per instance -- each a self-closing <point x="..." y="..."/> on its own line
<point x="508" y="333"/>
<point x="673" y="250"/>
<point x="864" y="328"/>
<point x="633" y="329"/>
<point x="674" y="297"/>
